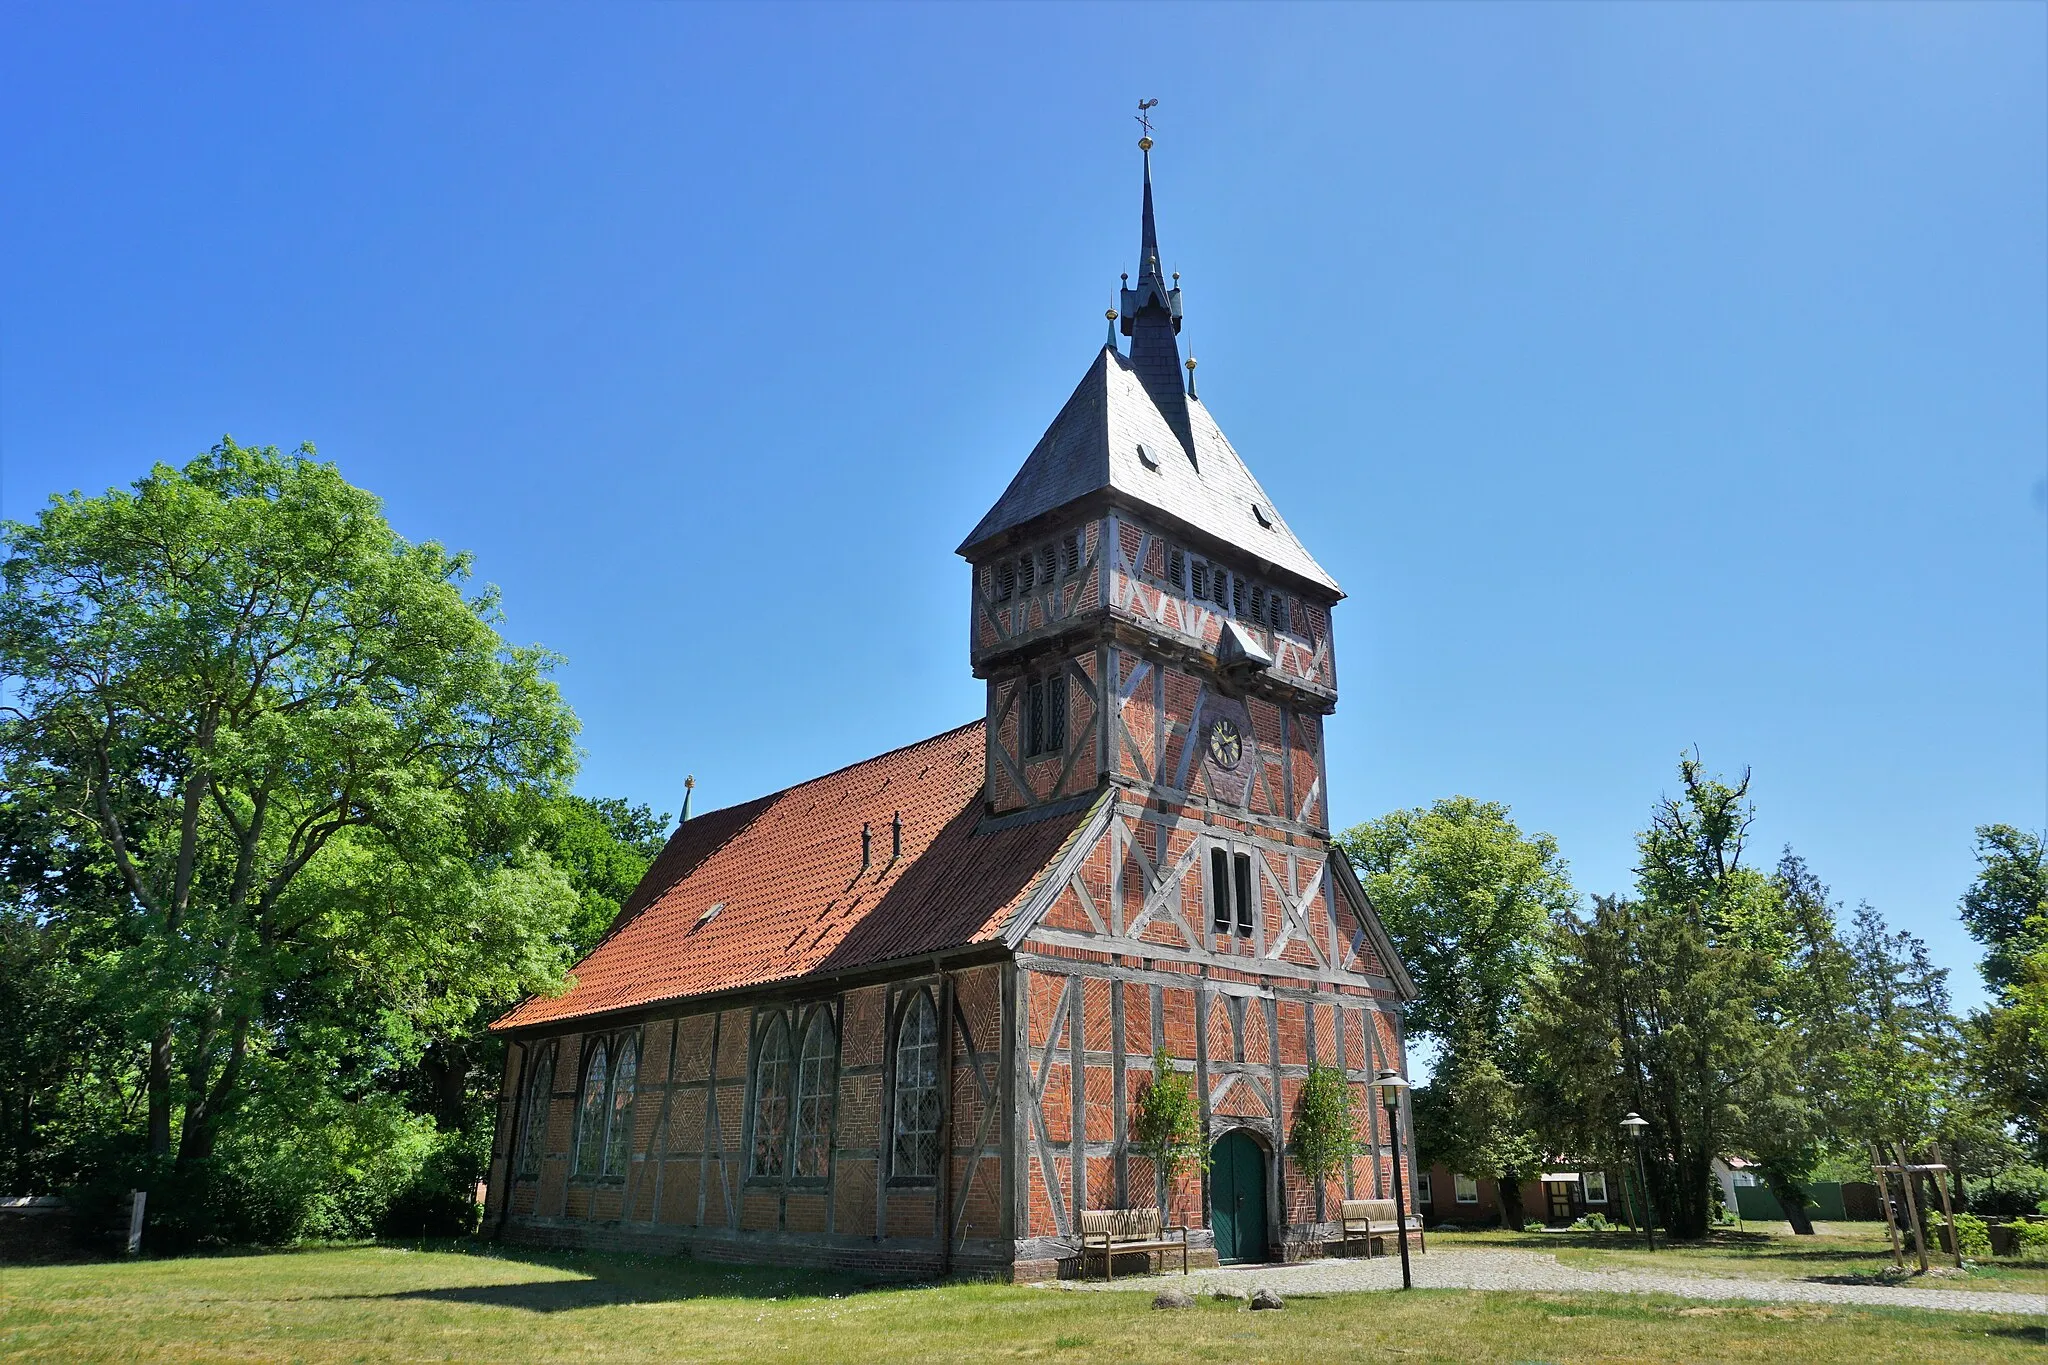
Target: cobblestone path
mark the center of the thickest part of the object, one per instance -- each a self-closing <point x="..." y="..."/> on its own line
<point x="1540" y="1272"/>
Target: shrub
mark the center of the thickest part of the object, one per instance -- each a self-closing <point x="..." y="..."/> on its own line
<point x="1325" y="1132"/>
<point x="1168" y="1124"/>
<point x="1532" y="1225"/>
<point x="2032" y="1238"/>
<point x="2013" y="1191"/>
<point x="440" y="1199"/>
<point x="1972" y="1237"/>
<point x="1593" y="1222"/>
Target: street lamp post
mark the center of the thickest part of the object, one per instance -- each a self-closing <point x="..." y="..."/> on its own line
<point x="1633" y="1127"/>
<point x="1390" y="1086"/>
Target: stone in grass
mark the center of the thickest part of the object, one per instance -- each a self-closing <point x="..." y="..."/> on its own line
<point x="1266" y="1298"/>
<point x="1172" y="1298"/>
<point x="1229" y="1293"/>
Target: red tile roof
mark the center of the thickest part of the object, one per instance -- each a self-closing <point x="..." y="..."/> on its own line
<point x="786" y="869"/>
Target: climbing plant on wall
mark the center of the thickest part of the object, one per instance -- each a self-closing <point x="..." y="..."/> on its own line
<point x="1325" y="1132"/>
<point x="1168" y="1126"/>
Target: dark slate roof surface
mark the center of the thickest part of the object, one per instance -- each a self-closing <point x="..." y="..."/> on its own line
<point x="1092" y="446"/>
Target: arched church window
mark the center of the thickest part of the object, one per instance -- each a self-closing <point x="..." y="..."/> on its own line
<point x="771" y="1100"/>
<point x="817" y="1080"/>
<point x="539" y="1094"/>
<point x="914" y="1150"/>
<point x="618" y="1139"/>
<point x="590" y="1115"/>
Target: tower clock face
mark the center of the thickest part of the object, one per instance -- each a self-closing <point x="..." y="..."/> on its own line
<point x="1226" y="745"/>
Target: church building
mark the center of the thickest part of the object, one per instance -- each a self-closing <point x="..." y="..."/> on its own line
<point x="899" y="1016"/>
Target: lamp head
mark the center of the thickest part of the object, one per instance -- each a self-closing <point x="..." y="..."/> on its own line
<point x="1634" y="1126"/>
<point x="1390" y="1084"/>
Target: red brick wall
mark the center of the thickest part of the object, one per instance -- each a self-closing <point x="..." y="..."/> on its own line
<point x="688" y="1177"/>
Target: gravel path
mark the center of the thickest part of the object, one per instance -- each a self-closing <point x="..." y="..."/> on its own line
<point x="1540" y="1272"/>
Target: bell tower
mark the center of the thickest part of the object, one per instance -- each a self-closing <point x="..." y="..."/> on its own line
<point x="1141" y="613"/>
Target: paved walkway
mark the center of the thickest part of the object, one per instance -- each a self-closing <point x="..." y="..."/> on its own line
<point x="1540" y="1272"/>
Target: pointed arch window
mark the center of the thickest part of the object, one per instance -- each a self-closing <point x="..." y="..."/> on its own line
<point x="817" y="1080"/>
<point x="590" y="1113"/>
<point x="618" y="1136"/>
<point x="771" y="1100"/>
<point x="533" y="1134"/>
<point x="914" y="1145"/>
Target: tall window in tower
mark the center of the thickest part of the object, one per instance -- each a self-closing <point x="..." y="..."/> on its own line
<point x="1230" y="891"/>
<point x="1219" y="888"/>
<point x="1045" y="714"/>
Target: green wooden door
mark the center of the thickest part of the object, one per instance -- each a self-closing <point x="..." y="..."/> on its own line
<point x="1237" y="1198"/>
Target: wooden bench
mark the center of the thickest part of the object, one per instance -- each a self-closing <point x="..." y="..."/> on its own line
<point x="1110" y="1233"/>
<point x="1365" y="1219"/>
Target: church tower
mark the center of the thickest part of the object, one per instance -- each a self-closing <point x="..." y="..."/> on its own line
<point x="1143" y="616"/>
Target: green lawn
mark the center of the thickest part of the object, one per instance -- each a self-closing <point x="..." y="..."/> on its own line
<point x="1849" y="1252"/>
<point x="384" y="1303"/>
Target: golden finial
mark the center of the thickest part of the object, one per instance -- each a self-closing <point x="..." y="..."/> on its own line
<point x="1191" y="364"/>
<point x="1145" y="121"/>
<point x="1109" y="313"/>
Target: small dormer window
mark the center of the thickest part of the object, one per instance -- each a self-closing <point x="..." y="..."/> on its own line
<point x="1260" y="513"/>
<point x="1146" y="458"/>
<point x="1070" y="553"/>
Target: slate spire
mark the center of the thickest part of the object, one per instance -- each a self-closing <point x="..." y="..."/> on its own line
<point x="1151" y="319"/>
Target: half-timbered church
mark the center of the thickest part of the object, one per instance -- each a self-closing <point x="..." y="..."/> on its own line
<point x="901" y="1015"/>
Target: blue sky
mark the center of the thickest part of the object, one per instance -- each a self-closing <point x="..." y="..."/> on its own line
<point x="1650" y="376"/>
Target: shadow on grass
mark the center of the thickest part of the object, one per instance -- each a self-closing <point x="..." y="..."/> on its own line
<point x="607" y="1279"/>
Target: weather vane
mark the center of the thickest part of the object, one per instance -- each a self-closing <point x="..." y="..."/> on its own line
<point x="1144" y="116"/>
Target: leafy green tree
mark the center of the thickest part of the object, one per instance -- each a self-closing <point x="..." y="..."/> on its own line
<point x="1468" y="899"/>
<point x="2006" y="909"/>
<point x="601" y="846"/>
<point x="1669" y="1004"/>
<point x="272" y="718"/>
<point x="604" y="845"/>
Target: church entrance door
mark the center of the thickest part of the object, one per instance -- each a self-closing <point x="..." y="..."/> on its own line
<point x="1237" y="1198"/>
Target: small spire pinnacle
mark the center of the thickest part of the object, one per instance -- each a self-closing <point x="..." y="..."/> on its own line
<point x="1150" y="313"/>
<point x="1111" y="315"/>
<point x="689" y="788"/>
<point x="1191" y="377"/>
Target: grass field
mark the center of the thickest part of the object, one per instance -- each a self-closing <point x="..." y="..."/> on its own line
<point x="1852" y="1253"/>
<point x="460" y="1303"/>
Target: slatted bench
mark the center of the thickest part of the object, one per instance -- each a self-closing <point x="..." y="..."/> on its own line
<point x="1365" y="1219"/>
<point x="1110" y="1233"/>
